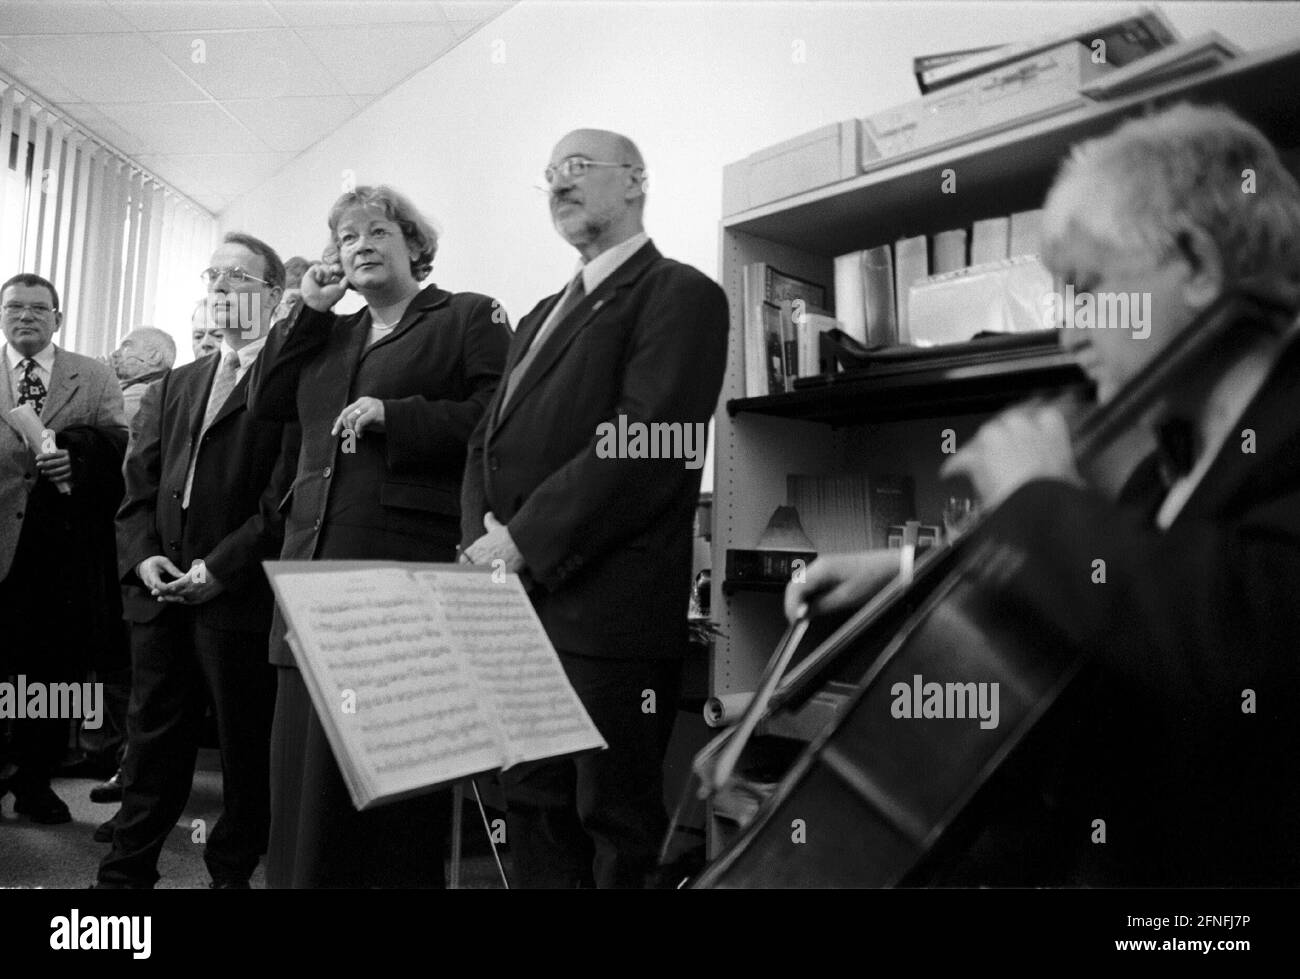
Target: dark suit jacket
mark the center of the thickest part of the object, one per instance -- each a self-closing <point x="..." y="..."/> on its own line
<point x="56" y="550"/>
<point x="607" y="541"/>
<point x="1153" y="737"/>
<point x="244" y="469"/>
<point x="394" y="494"/>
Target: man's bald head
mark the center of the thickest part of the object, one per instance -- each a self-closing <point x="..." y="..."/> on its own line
<point x="603" y="205"/>
<point x="145" y="350"/>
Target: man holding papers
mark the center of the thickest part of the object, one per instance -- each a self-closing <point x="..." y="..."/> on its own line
<point x="57" y="497"/>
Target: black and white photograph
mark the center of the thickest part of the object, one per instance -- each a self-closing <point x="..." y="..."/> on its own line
<point x="657" y="445"/>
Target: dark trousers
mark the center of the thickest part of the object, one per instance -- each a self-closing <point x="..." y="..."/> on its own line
<point x="598" y="819"/>
<point x="176" y="663"/>
<point x="44" y="613"/>
<point x="318" y="838"/>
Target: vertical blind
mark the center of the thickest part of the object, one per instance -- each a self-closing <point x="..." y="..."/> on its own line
<point x="122" y="248"/>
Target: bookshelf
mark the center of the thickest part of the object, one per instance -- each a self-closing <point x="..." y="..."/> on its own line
<point x="892" y="419"/>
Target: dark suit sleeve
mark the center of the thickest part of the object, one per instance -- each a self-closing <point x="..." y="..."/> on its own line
<point x="473" y="491"/>
<point x="237" y="558"/>
<point x="1204" y="609"/>
<point x="273" y="384"/>
<point x="137" y="526"/>
<point x="672" y="373"/>
<point x="419" y="432"/>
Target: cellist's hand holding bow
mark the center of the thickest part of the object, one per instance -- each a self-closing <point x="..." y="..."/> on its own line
<point x="1024" y="443"/>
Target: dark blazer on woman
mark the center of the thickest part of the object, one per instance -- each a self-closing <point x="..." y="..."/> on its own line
<point x="393" y="494"/>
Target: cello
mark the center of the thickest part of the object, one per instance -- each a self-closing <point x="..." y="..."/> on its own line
<point x="894" y="804"/>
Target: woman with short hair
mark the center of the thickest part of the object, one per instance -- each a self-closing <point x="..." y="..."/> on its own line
<point x="387" y="398"/>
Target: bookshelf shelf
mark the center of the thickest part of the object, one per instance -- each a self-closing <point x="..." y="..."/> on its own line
<point x="903" y="391"/>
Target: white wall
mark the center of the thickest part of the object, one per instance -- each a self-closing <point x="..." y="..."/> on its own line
<point x="697" y="85"/>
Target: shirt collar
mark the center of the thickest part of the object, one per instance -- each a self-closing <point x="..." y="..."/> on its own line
<point x="44" y="359"/>
<point x="247" y="353"/>
<point x="607" y="262"/>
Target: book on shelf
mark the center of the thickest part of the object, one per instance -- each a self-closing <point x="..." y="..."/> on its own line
<point x="810" y="328"/>
<point x="1026" y="233"/>
<point x="1124" y="39"/>
<point x="424" y="674"/>
<point x="772" y="299"/>
<point x="847" y="512"/>
<point x="864" y="296"/>
<point x="990" y="240"/>
<point x="1190" y="57"/>
<point x="949" y="251"/>
<point x="911" y="265"/>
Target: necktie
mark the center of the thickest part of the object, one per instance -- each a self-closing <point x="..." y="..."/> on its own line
<point x="222" y="385"/>
<point x="30" y="386"/>
<point x="574" y="293"/>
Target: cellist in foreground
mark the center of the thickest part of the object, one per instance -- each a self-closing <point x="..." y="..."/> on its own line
<point x="1171" y="760"/>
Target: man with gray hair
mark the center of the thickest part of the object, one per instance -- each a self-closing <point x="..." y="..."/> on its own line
<point x="1170" y="759"/>
<point x="145" y="355"/>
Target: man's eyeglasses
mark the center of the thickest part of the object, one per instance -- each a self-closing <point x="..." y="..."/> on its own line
<point x="575" y="166"/>
<point x="234" y="274"/>
<point x="14" y="310"/>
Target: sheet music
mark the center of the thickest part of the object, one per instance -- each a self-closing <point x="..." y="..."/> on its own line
<point x="493" y="622"/>
<point x="418" y="714"/>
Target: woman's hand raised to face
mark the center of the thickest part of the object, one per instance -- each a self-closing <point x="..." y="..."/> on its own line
<point x="323" y="285"/>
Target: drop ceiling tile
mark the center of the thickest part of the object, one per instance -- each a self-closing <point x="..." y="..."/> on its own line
<point x="476" y="11"/>
<point x="105" y="129"/>
<point x="196" y="15"/>
<point x="41" y="79"/>
<point x="139" y="72"/>
<point x="191" y="127"/>
<point x="293" y="124"/>
<point x="60" y="17"/>
<point x="265" y="64"/>
<point x="351" y="13"/>
<point x="372" y="59"/>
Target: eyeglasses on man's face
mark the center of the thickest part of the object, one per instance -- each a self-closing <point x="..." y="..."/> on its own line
<point x="13" y="311"/>
<point x="576" y="166"/>
<point x="234" y="275"/>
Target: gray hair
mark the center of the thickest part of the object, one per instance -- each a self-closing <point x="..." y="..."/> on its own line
<point x="1141" y="186"/>
<point x="160" y="341"/>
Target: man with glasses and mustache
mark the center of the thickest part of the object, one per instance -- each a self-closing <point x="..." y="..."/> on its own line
<point x="605" y="543"/>
<point x="204" y="480"/>
<point x="56" y="510"/>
